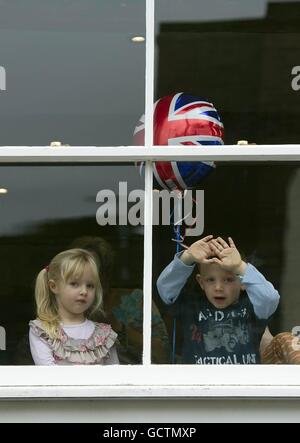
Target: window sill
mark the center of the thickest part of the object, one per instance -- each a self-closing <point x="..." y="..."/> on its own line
<point x="157" y="381"/>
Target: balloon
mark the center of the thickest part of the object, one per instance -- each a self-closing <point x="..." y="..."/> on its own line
<point x="182" y="119"/>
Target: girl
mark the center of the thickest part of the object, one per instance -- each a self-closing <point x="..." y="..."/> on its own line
<point x="66" y="293"/>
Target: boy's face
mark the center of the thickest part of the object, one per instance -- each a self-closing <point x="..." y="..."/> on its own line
<point x="222" y="288"/>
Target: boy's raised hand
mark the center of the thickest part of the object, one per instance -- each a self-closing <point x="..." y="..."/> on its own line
<point x="198" y="252"/>
<point x="228" y="256"/>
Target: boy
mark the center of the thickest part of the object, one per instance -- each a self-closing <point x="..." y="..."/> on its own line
<point x="225" y="326"/>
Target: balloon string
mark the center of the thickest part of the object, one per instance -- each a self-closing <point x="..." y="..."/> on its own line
<point x="178" y="223"/>
<point x="178" y="249"/>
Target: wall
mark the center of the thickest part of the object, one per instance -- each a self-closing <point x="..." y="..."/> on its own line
<point x="163" y="411"/>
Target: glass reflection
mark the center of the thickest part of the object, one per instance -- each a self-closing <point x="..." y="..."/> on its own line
<point x="72" y="71"/>
<point x="260" y="212"/>
<point x="239" y="55"/>
<point x="48" y="209"/>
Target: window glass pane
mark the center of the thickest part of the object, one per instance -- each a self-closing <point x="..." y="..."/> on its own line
<point x="73" y="73"/>
<point x="215" y="319"/>
<point x="48" y="209"/>
<point x="240" y="55"/>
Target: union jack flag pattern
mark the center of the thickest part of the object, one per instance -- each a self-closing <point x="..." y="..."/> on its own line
<point x="182" y="119"/>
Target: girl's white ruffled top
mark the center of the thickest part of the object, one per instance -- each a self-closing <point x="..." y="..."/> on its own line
<point x="98" y="349"/>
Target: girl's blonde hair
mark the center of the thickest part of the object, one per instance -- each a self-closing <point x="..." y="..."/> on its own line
<point x="64" y="266"/>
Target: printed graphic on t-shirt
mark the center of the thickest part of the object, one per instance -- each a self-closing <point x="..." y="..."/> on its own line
<point x="228" y="336"/>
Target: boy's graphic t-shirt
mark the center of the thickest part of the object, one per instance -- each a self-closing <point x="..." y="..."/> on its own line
<point x="214" y="336"/>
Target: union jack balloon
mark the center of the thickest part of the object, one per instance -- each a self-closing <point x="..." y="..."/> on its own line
<point x="182" y="119"/>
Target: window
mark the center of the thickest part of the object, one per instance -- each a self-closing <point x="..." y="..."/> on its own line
<point x="157" y="380"/>
<point x="73" y="73"/>
<point x="241" y="56"/>
<point x="48" y="209"/>
<point x="256" y="204"/>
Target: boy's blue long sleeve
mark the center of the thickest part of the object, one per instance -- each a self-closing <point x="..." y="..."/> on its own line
<point x="172" y="279"/>
<point x="261" y="292"/>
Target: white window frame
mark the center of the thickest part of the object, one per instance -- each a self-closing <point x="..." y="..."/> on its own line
<point x="146" y="380"/>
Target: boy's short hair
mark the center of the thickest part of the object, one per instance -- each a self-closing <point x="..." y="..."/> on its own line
<point x="242" y="254"/>
<point x="199" y="264"/>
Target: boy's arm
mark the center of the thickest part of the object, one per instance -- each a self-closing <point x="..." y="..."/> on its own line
<point x="261" y="292"/>
<point x="173" y="278"/>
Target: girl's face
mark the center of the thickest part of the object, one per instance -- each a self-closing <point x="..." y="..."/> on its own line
<point x="74" y="297"/>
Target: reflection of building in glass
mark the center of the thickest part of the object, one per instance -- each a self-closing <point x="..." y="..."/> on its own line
<point x="243" y="66"/>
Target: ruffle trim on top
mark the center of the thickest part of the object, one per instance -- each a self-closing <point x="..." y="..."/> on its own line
<point x="88" y="351"/>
